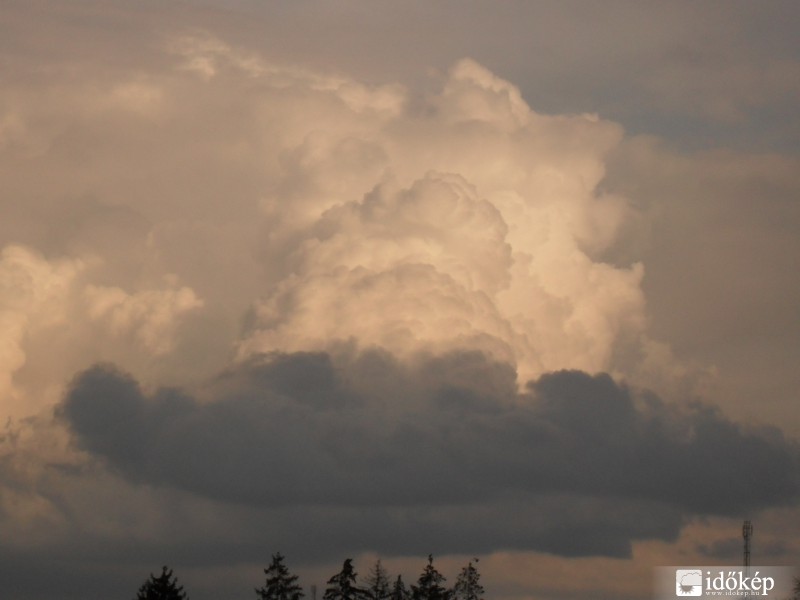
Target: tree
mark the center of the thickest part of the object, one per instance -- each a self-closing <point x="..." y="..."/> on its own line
<point x="377" y="583"/>
<point x="342" y="586"/>
<point x="281" y="585"/>
<point x="467" y="585"/>
<point x="429" y="586"/>
<point x="399" y="590"/>
<point x="163" y="587"/>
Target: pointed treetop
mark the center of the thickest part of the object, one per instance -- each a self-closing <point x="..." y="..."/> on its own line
<point x="377" y="582"/>
<point x="163" y="587"/>
<point x="280" y="584"/>
<point x="429" y="586"/>
<point x="342" y="586"/>
<point x="399" y="590"/>
<point x="468" y="585"/>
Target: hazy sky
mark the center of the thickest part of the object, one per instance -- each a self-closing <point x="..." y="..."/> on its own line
<point x="513" y="280"/>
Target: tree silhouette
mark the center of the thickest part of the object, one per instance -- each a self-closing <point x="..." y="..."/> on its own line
<point x="280" y="585"/>
<point x="342" y="586"/>
<point x="377" y="583"/>
<point x="399" y="590"/>
<point x="429" y="586"/>
<point x="163" y="587"/>
<point x="467" y="586"/>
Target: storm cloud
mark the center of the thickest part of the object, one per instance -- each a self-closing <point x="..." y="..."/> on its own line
<point x="516" y="280"/>
<point x="448" y="436"/>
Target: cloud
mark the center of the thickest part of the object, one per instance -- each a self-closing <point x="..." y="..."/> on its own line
<point x="33" y="292"/>
<point x="736" y="305"/>
<point x="385" y="255"/>
<point x="48" y="310"/>
<point x="476" y="222"/>
<point x="730" y="549"/>
<point x="150" y="316"/>
<point x="426" y="449"/>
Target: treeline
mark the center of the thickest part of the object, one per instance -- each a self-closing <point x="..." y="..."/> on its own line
<point x="281" y="584"/>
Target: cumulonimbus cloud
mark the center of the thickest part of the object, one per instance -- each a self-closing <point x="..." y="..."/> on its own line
<point x="376" y="273"/>
<point x="421" y="260"/>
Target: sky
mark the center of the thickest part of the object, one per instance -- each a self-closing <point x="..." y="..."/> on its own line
<point x="511" y="281"/>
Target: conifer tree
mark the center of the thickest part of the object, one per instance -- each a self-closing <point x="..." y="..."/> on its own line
<point x="399" y="590"/>
<point x="377" y="583"/>
<point x="342" y="586"/>
<point x="280" y="585"/>
<point x="467" y="585"/>
<point x="429" y="586"/>
<point x="163" y="587"/>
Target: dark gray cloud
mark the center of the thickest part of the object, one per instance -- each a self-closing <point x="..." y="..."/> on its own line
<point x="370" y="453"/>
<point x="730" y="549"/>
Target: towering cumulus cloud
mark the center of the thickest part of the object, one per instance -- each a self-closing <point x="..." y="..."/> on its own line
<point x="471" y="223"/>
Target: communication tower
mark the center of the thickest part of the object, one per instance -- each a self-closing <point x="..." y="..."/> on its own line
<point x="747" y="533"/>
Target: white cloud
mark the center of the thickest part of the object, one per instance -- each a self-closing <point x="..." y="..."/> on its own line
<point x="150" y="317"/>
<point x="473" y="224"/>
<point x="33" y="297"/>
<point x="51" y="320"/>
<point x="472" y="92"/>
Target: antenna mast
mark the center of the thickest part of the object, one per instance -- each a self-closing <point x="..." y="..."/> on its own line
<point x="747" y="533"/>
